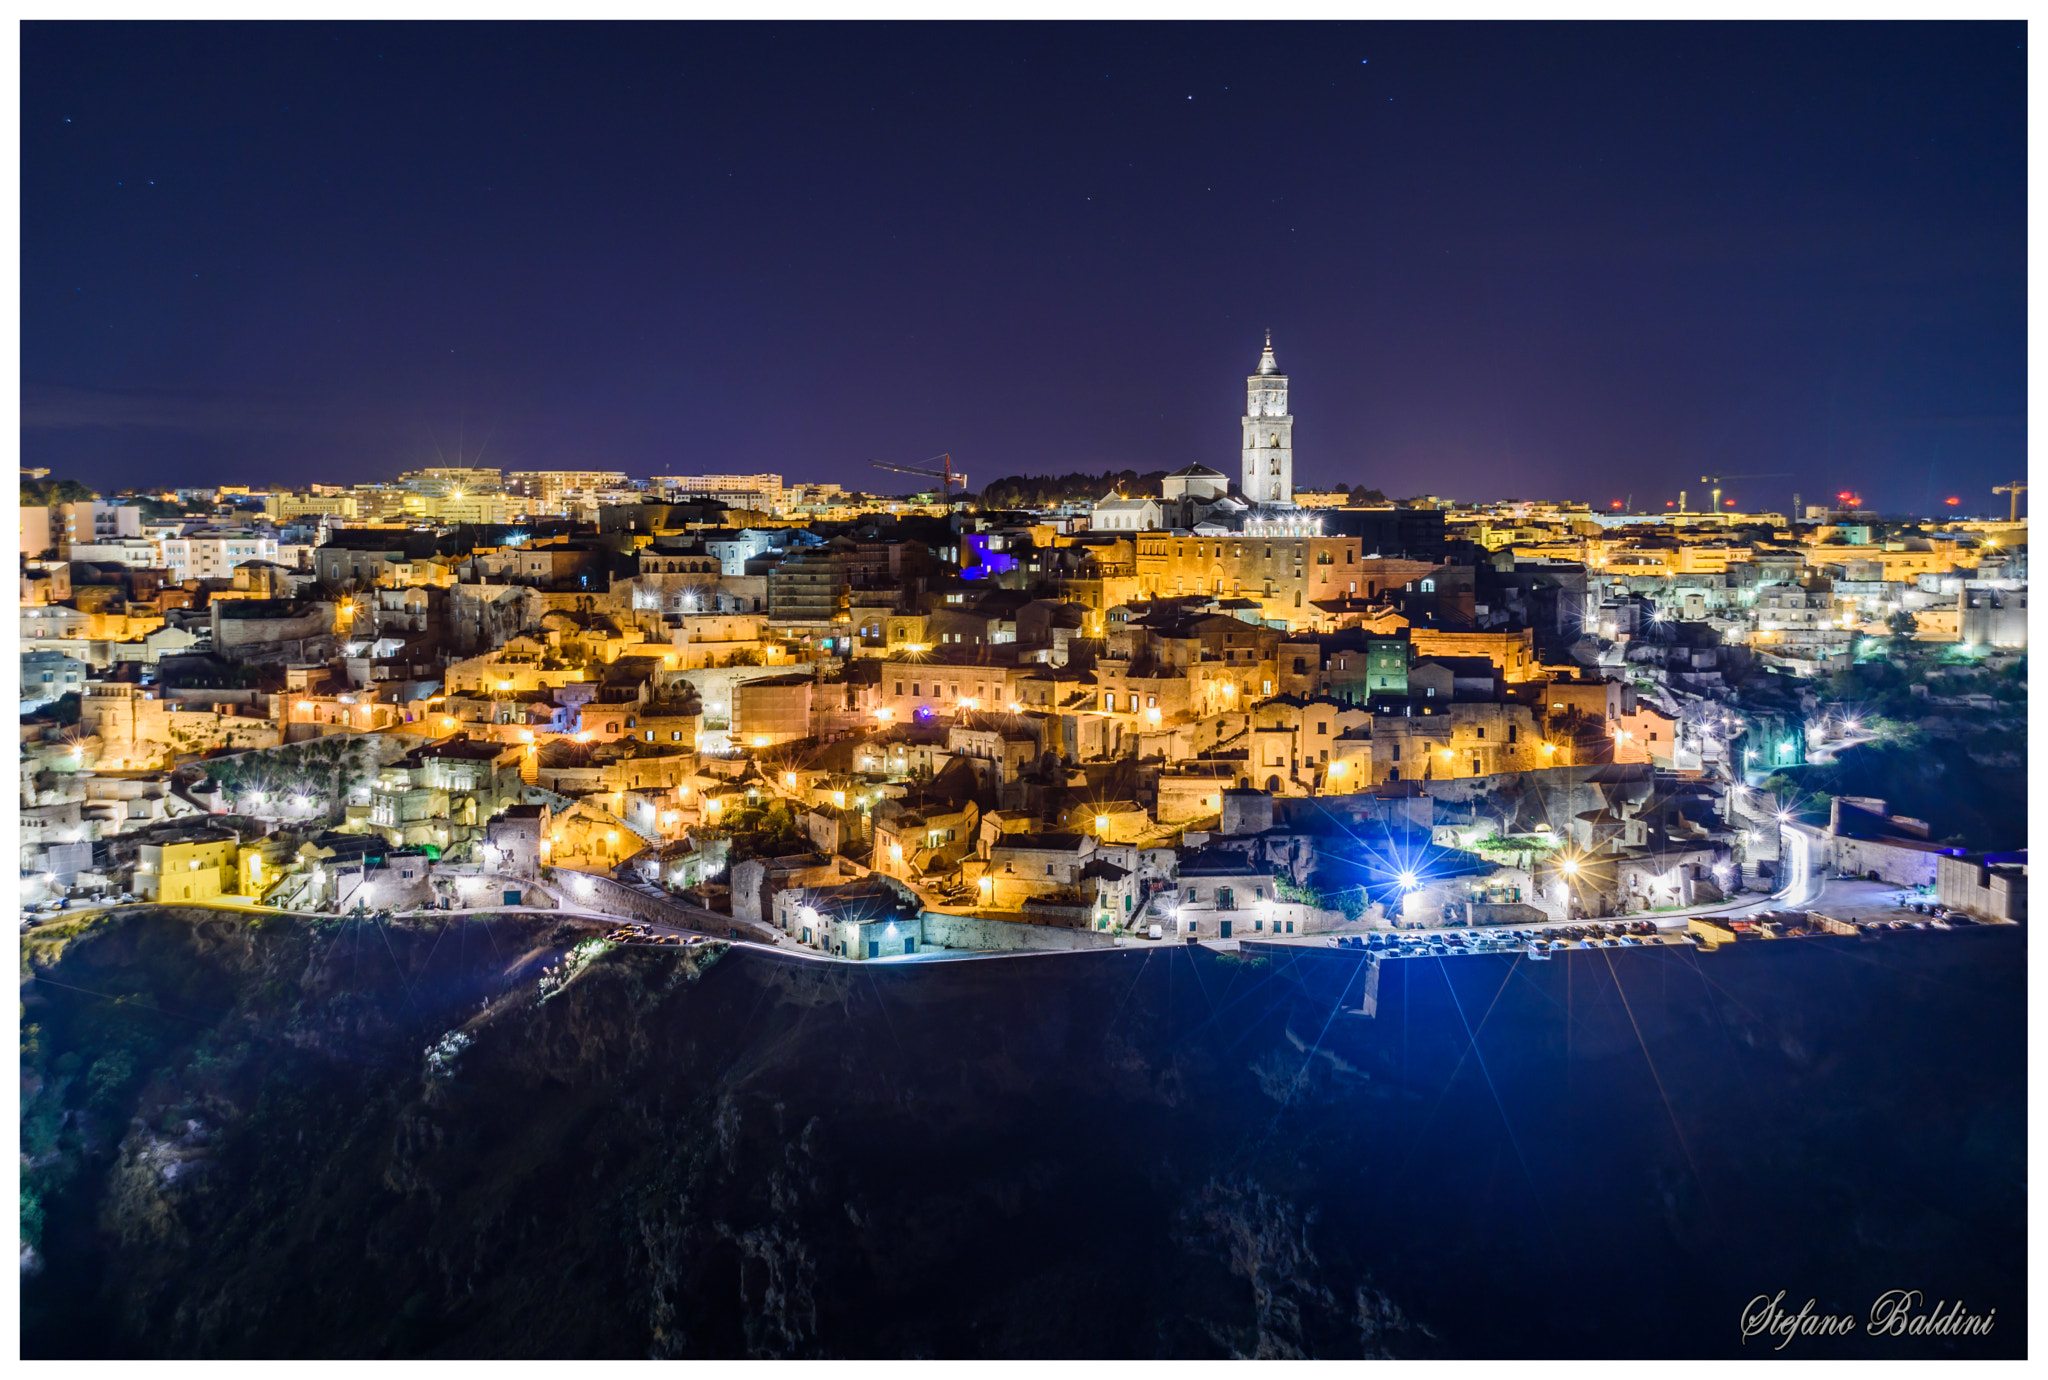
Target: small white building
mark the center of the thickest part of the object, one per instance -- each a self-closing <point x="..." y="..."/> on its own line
<point x="1115" y="513"/>
<point x="214" y="555"/>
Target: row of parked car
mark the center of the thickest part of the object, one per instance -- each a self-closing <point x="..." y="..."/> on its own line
<point x="43" y="910"/>
<point x="1612" y="934"/>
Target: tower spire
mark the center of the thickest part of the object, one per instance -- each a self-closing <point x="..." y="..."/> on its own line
<point x="1266" y="361"/>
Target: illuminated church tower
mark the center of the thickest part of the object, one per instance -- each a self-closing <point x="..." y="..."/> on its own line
<point x="1268" y="434"/>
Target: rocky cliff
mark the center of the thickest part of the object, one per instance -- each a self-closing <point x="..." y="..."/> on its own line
<point x="501" y="1137"/>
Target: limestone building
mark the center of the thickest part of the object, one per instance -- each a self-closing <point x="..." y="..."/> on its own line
<point x="1268" y="434"/>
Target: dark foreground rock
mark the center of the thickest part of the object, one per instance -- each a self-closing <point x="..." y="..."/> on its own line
<point x="497" y="1138"/>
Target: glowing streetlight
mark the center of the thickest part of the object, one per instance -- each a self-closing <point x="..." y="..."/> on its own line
<point x="1570" y="867"/>
<point x="1408" y="880"/>
<point x="1101" y="825"/>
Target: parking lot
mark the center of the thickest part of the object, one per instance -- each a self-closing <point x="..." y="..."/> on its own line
<point x="1536" y="943"/>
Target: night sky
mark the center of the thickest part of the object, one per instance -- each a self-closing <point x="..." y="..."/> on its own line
<point x="1498" y="261"/>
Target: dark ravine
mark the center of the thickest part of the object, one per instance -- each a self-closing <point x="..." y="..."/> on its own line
<point x="324" y="1139"/>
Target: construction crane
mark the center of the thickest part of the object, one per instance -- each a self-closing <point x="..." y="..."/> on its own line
<point x="945" y="474"/>
<point x="2016" y="488"/>
<point x="1717" y="480"/>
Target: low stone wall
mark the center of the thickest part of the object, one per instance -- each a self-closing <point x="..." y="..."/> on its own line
<point x="943" y="931"/>
<point x="588" y="891"/>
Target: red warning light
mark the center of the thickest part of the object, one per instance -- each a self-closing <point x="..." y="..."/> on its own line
<point x="1728" y="503"/>
<point x="1952" y="502"/>
<point x="1616" y="505"/>
<point x="1845" y="495"/>
<point x="1669" y="504"/>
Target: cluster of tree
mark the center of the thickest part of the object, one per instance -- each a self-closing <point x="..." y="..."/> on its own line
<point x="47" y="493"/>
<point x="62" y="711"/>
<point x="206" y="673"/>
<point x="1036" y="490"/>
<point x="1358" y="495"/>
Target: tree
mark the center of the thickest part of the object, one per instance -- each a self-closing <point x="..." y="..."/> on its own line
<point x="62" y="711"/>
<point x="45" y="493"/>
<point x="1903" y="623"/>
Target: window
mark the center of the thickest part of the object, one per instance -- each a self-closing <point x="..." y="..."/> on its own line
<point x="1323" y="728"/>
<point x="1048" y="869"/>
<point x="899" y="687"/>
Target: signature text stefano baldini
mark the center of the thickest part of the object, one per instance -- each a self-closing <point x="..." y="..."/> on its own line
<point x="1894" y="1314"/>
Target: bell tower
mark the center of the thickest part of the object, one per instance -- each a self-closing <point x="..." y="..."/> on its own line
<point x="1268" y="434"/>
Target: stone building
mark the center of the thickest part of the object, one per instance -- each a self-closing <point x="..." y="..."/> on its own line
<point x="1268" y="448"/>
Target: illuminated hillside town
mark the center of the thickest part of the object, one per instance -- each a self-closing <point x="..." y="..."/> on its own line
<point x="1201" y="706"/>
